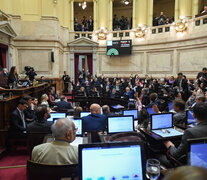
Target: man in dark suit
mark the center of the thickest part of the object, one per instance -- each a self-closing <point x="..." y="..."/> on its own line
<point x="199" y="131"/>
<point x="90" y="24"/>
<point x="18" y="122"/>
<point x="95" y="121"/>
<point x="63" y="104"/>
<point x="41" y="124"/>
<point x="29" y="111"/>
<point x="106" y="111"/>
<point x="181" y="85"/>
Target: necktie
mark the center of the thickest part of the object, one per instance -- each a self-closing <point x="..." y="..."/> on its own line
<point x="23" y="121"/>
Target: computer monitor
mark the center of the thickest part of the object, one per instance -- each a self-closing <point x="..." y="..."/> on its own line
<point x="197" y="155"/>
<point x="150" y="111"/>
<point x="117" y="124"/>
<point x="78" y="125"/>
<point x="84" y="113"/>
<point x="133" y="112"/>
<point x="161" y="121"/>
<point x="190" y="118"/>
<point x="56" y="115"/>
<point x="170" y="106"/>
<point x="125" y="160"/>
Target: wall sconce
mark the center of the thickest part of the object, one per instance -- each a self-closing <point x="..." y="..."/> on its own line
<point x="181" y="25"/>
<point x="140" y="31"/>
<point x="102" y="33"/>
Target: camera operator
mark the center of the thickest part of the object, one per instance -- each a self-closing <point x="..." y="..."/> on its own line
<point x="30" y="72"/>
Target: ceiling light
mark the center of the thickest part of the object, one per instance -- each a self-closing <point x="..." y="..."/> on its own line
<point x="126" y="2"/>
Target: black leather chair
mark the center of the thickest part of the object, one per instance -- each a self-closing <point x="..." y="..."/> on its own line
<point x="52" y="172"/>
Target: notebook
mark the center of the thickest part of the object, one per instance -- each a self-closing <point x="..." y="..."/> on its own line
<point x="117" y="124"/>
<point x="56" y="115"/>
<point x="123" y="160"/>
<point x="84" y="113"/>
<point x="162" y="124"/>
<point x="133" y="112"/>
<point x="197" y="155"/>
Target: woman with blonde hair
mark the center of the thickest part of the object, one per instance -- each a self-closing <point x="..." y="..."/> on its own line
<point x="44" y="99"/>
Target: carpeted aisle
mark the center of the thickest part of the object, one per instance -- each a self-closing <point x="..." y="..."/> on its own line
<point x="13" y="167"/>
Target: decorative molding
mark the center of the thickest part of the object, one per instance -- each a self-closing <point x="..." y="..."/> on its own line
<point x="6" y="28"/>
<point x="4" y="16"/>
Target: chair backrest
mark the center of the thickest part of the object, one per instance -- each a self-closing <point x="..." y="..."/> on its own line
<point x="34" y="139"/>
<point x="127" y="137"/>
<point x="52" y="172"/>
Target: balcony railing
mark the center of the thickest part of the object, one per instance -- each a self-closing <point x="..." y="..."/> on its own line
<point x="150" y="32"/>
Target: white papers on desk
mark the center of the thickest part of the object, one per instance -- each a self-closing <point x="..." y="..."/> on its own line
<point x="77" y="141"/>
<point x="171" y="132"/>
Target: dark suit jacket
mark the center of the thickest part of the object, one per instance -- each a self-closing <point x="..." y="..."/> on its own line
<point x="198" y="131"/>
<point x="64" y="105"/>
<point x="17" y="127"/>
<point x="94" y="122"/>
<point x="184" y="84"/>
<point x="29" y="113"/>
<point x="39" y="126"/>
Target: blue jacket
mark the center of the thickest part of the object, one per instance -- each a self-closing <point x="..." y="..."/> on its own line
<point x="94" y="122"/>
<point x="64" y="105"/>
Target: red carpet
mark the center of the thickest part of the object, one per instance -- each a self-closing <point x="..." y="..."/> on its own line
<point x="13" y="174"/>
<point x="10" y="166"/>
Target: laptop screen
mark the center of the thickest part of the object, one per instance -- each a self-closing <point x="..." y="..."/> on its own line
<point x="56" y="115"/>
<point x="83" y="114"/>
<point x="170" y="106"/>
<point x="150" y="111"/>
<point x="118" y="124"/>
<point x="198" y="155"/>
<point x="133" y="112"/>
<point x="102" y="161"/>
<point x="78" y="125"/>
<point x="161" y="121"/>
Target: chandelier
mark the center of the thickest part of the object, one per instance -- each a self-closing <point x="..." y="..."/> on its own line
<point x="82" y="4"/>
<point x="126" y="2"/>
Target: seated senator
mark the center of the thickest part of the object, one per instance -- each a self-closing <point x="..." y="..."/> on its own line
<point x="58" y="152"/>
<point x="94" y="121"/>
<point x="199" y="131"/>
<point x="64" y="104"/>
<point x="40" y="124"/>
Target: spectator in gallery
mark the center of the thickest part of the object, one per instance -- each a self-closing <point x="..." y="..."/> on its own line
<point x="161" y="19"/>
<point x="77" y="25"/>
<point x="90" y="24"/>
<point x="115" y="22"/>
<point x="205" y="9"/>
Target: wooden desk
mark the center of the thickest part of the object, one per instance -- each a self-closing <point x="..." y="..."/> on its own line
<point x="9" y="104"/>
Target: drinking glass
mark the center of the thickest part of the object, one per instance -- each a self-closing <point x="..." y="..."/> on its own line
<point x="152" y="169"/>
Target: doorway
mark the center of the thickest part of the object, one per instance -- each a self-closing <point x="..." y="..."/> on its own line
<point x="83" y="65"/>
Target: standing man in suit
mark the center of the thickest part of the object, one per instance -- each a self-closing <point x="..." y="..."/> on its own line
<point x="199" y="131"/>
<point x="41" y="124"/>
<point x="90" y="24"/>
<point x="94" y="121"/>
<point x="18" y="122"/>
<point x="181" y="85"/>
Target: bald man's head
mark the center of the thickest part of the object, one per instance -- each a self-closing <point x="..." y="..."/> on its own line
<point x="95" y="109"/>
<point x="106" y="109"/>
<point x="64" y="129"/>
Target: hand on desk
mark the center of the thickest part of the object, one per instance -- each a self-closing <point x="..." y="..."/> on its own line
<point x="168" y="144"/>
